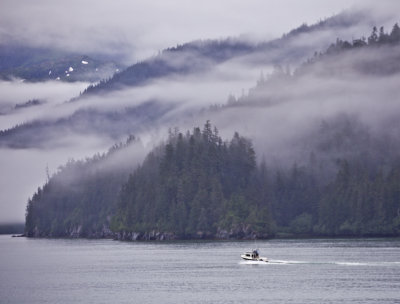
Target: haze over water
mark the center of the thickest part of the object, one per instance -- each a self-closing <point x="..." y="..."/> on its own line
<point x="106" y="271"/>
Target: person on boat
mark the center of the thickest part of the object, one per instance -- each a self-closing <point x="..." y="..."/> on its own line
<point x="255" y="254"/>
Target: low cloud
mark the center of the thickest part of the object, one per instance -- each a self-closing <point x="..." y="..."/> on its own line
<point x="279" y="119"/>
<point x="23" y="171"/>
<point x="50" y="93"/>
<point x="283" y="117"/>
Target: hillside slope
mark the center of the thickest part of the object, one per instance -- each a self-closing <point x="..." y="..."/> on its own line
<point x="323" y="160"/>
<point x="215" y="64"/>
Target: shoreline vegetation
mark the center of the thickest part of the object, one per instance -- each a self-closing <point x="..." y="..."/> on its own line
<point x="278" y="236"/>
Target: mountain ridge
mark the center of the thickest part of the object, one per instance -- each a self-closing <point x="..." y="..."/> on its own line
<point x="186" y="59"/>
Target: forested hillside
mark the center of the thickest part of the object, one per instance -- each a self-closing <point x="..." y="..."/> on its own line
<point x="198" y="186"/>
<point x="336" y="173"/>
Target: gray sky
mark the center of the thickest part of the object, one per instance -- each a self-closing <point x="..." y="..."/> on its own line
<point x="139" y="28"/>
<point x="148" y="26"/>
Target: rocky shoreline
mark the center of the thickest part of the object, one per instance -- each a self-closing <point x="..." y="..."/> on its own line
<point x="240" y="232"/>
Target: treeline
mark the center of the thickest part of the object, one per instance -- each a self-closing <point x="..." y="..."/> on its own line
<point x="378" y="54"/>
<point x="375" y="39"/>
<point x="198" y="186"/>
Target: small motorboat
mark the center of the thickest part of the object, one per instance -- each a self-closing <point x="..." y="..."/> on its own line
<point x="253" y="256"/>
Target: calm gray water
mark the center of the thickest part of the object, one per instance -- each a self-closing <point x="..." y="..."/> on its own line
<point x="106" y="271"/>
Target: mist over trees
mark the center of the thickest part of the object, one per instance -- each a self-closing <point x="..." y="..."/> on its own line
<point x="343" y="179"/>
<point x="78" y="200"/>
<point x="197" y="61"/>
<point x="202" y="55"/>
<point x="198" y="186"/>
<point x="111" y="124"/>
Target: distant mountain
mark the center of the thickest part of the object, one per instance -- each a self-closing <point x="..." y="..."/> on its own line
<point x="199" y="57"/>
<point x="193" y="57"/>
<point x="42" y="64"/>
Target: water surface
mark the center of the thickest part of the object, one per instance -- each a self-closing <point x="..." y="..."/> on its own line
<point x="106" y="271"/>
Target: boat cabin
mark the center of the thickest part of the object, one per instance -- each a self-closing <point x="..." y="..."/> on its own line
<point x="252" y="255"/>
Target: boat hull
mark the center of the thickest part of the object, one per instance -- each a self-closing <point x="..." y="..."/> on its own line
<point x="260" y="259"/>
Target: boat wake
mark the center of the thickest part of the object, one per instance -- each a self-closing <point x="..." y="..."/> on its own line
<point x="290" y="262"/>
<point x="276" y="262"/>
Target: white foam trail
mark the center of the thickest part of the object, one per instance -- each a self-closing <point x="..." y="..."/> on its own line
<point x="290" y="262"/>
<point x="352" y="264"/>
